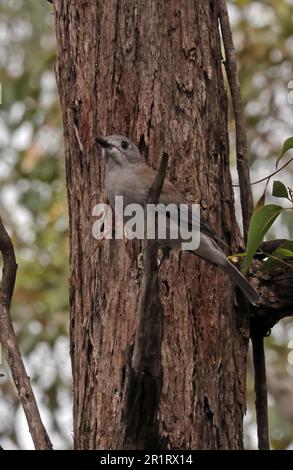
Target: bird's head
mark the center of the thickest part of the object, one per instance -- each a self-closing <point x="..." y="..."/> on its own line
<point x="118" y="150"/>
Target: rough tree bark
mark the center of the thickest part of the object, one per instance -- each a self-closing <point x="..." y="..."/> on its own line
<point x="152" y="71"/>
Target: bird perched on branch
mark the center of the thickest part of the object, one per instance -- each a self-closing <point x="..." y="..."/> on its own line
<point x="127" y="175"/>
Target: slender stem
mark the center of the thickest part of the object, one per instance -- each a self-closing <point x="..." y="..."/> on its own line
<point x="247" y="210"/>
<point x="267" y="177"/>
<point x="8" y="339"/>
<point x="260" y="387"/>
<point x="240" y="128"/>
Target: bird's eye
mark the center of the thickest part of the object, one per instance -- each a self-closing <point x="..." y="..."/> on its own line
<point x="124" y="144"/>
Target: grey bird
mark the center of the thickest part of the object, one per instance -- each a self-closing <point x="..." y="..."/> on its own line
<point x="128" y="175"/>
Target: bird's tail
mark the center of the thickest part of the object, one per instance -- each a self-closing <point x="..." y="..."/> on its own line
<point x="241" y="282"/>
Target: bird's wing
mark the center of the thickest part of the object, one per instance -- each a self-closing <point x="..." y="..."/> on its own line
<point x="170" y="195"/>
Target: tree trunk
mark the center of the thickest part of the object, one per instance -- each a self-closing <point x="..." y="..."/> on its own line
<point x="152" y="71"/>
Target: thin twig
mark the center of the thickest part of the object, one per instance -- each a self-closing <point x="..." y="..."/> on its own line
<point x="78" y="138"/>
<point x="267" y="177"/>
<point x="72" y="117"/>
<point x="156" y="189"/>
<point x="8" y="339"/>
<point x="240" y="128"/>
<point x="99" y="242"/>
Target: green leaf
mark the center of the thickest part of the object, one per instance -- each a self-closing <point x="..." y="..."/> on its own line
<point x="284" y="252"/>
<point x="280" y="190"/>
<point x="261" y="221"/>
<point x="288" y="144"/>
<point x="275" y="260"/>
<point x="287" y="244"/>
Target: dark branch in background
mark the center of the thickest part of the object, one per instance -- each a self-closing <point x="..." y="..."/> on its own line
<point x="276" y="293"/>
<point x="144" y="332"/>
<point x="260" y="387"/>
<point x="245" y="198"/>
<point x="240" y="127"/>
<point x="138" y="427"/>
<point x="8" y="339"/>
<point x="9" y="267"/>
<point x="277" y="303"/>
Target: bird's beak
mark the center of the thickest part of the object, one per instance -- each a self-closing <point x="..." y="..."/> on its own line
<point x="103" y="142"/>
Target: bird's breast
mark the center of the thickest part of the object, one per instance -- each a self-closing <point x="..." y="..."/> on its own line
<point x="125" y="184"/>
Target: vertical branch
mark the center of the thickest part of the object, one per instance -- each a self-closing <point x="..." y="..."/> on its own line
<point x="144" y="355"/>
<point x="8" y="339"/>
<point x="138" y="428"/>
<point x="240" y="128"/>
<point x="247" y="210"/>
<point x="9" y="267"/>
<point x="260" y="388"/>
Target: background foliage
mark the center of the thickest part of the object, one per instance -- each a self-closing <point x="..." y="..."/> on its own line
<point x="33" y="207"/>
<point x="33" y="200"/>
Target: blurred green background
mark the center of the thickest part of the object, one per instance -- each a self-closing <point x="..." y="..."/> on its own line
<point x="33" y="202"/>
